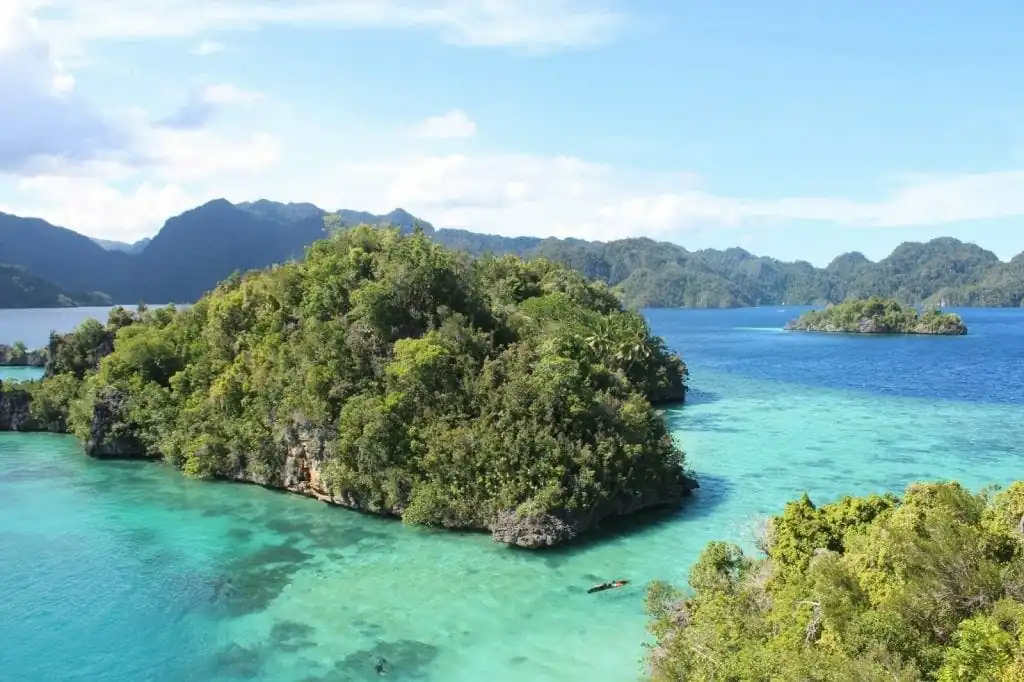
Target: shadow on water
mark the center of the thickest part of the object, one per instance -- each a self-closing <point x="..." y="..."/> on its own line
<point x="713" y="492"/>
<point x="250" y="582"/>
<point x="698" y="397"/>
<point x="692" y="421"/>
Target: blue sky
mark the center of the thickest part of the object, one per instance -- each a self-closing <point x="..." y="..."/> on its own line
<point x="794" y="128"/>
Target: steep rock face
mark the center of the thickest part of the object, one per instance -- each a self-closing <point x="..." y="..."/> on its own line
<point x="673" y="392"/>
<point x="545" y="530"/>
<point x="306" y="451"/>
<point x="539" y="530"/>
<point x="109" y="432"/>
<point x="14" y="410"/>
<point x="29" y="358"/>
<point x="308" y="448"/>
<point x="16" y="413"/>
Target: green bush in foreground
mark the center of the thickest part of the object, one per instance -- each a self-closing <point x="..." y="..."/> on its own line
<point x="924" y="587"/>
<point x="447" y="390"/>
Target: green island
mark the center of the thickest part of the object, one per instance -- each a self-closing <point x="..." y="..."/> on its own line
<point x="879" y="316"/>
<point x="17" y="355"/>
<point x="392" y="375"/>
<point x="388" y="374"/>
<point x="928" y="586"/>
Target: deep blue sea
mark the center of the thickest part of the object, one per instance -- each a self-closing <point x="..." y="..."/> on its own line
<point x="117" y="572"/>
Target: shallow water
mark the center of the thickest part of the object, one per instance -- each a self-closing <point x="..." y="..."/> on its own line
<point x="20" y="373"/>
<point x="126" y="571"/>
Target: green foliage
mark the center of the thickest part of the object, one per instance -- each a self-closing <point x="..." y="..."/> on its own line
<point x="18" y="354"/>
<point x="52" y="399"/>
<point x="879" y="316"/>
<point x="656" y="274"/>
<point x="440" y="388"/>
<point x="80" y="351"/>
<point x="927" y="586"/>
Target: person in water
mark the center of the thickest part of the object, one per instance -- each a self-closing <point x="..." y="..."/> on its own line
<point x="607" y="586"/>
<point x="381" y="662"/>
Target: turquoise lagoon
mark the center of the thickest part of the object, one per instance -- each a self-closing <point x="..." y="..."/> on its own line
<point x="122" y="571"/>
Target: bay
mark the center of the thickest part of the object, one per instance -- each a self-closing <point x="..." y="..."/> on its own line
<point x="128" y="571"/>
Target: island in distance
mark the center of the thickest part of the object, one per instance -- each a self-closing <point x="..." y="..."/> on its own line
<point x="879" y="316"/>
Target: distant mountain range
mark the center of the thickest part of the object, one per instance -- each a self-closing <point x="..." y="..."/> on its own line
<point x="21" y="289"/>
<point x="112" y="245"/>
<point x="197" y="249"/>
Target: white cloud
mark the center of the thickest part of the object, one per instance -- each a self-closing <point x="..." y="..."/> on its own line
<point x="126" y="202"/>
<point x="206" y="48"/>
<point x="510" y="194"/>
<point x="516" y="194"/>
<point x="203" y="104"/>
<point x="42" y="115"/>
<point x="95" y="208"/>
<point x="122" y="176"/>
<point x="922" y="201"/>
<point x="182" y="156"/>
<point x="453" y="124"/>
<point x="534" y="24"/>
<point x="229" y="94"/>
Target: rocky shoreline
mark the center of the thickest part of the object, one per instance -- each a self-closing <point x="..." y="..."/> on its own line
<point x="871" y="326"/>
<point x="305" y="454"/>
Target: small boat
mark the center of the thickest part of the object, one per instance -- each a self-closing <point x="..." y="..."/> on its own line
<point x="607" y="586"/>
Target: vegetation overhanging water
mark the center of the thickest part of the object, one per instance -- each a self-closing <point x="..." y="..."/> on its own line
<point x="233" y="580"/>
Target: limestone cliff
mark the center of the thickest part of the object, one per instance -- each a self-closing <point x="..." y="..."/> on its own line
<point x="110" y="434"/>
<point x="307" y="449"/>
<point x="16" y="412"/>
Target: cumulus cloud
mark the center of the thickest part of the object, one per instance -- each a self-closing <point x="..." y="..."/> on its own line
<point x="500" y="193"/>
<point x="94" y="207"/>
<point x="42" y="115"/>
<point x="533" y="24"/>
<point x="922" y="201"/>
<point x="206" y="48"/>
<point x="117" y="176"/>
<point x="116" y="200"/>
<point x="203" y="104"/>
<point x="517" y="194"/>
<point x="121" y="178"/>
<point x="453" y="124"/>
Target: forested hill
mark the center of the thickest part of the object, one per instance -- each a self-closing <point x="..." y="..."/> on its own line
<point x="199" y="248"/>
<point x="21" y="289"/>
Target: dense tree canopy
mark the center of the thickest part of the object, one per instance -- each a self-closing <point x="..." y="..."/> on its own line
<point x="879" y="316"/>
<point x="927" y="586"/>
<point x="448" y="390"/>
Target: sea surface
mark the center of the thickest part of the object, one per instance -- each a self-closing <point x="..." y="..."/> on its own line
<point x="123" y="572"/>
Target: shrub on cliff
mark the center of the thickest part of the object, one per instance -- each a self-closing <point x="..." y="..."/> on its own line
<point x="447" y="390"/>
<point x="930" y="586"/>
